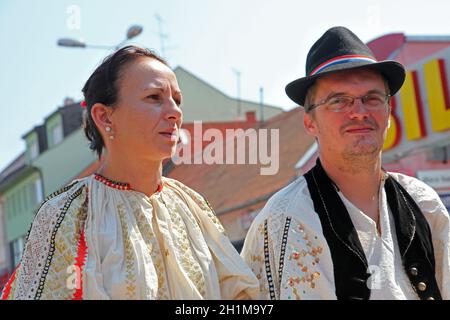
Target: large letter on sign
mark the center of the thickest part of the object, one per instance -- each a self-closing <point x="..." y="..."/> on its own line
<point x="412" y="107"/>
<point x="437" y="90"/>
<point x="394" y="131"/>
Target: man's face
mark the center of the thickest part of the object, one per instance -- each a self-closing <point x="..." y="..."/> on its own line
<point x="356" y="132"/>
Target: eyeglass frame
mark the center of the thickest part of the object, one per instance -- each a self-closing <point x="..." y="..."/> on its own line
<point x="362" y="98"/>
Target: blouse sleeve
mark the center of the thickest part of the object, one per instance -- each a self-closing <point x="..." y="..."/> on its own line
<point x="50" y="252"/>
<point x="236" y="280"/>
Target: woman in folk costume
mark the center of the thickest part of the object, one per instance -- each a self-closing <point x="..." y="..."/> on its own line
<point x="126" y="232"/>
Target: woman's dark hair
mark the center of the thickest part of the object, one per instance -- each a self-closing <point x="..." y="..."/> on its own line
<point x="102" y="87"/>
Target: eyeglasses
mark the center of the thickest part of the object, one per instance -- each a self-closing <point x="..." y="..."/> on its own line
<point x="343" y="103"/>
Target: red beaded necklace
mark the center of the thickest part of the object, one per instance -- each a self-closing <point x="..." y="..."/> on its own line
<point x="118" y="185"/>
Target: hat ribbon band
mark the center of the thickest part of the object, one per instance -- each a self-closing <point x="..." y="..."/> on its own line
<point x="340" y="60"/>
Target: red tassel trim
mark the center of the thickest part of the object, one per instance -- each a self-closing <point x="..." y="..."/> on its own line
<point x="79" y="264"/>
<point x="7" y="289"/>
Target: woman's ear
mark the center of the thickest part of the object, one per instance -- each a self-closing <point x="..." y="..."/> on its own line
<point x="101" y="114"/>
<point x="310" y="124"/>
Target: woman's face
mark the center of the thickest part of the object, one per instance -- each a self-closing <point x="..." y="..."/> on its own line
<point x="147" y="116"/>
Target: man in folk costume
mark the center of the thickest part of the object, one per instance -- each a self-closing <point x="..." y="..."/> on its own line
<point x="348" y="229"/>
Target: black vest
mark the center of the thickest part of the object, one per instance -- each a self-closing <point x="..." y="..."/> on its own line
<point x="349" y="261"/>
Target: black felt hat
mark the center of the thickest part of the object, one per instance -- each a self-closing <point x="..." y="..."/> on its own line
<point x="340" y="49"/>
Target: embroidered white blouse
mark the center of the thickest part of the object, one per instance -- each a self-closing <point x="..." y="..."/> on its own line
<point x="299" y="264"/>
<point x="93" y="241"/>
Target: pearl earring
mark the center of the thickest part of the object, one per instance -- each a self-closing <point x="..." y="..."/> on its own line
<point x="108" y="129"/>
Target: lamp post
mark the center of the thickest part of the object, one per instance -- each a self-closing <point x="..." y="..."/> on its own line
<point x="132" y="32"/>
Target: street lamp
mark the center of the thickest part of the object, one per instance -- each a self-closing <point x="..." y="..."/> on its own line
<point x="132" y="32"/>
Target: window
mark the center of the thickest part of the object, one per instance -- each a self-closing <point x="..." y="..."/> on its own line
<point x="10" y="203"/>
<point x="34" y="150"/>
<point x="57" y="134"/>
<point x="54" y="130"/>
<point x="20" y="196"/>
<point x="16" y="203"/>
<point x="17" y="249"/>
<point x="38" y="191"/>
<point x="8" y="208"/>
<point x="30" y="195"/>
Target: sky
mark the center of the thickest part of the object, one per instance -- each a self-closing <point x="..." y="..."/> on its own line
<point x="266" y="41"/>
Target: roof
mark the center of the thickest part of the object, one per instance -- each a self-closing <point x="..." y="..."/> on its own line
<point x="17" y="164"/>
<point x="233" y="187"/>
<point x="407" y="49"/>
<point x="16" y="169"/>
<point x="61" y="109"/>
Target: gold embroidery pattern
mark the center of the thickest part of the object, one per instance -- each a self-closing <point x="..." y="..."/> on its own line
<point x="182" y="244"/>
<point x="129" y="256"/>
<point x="255" y="260"/>
<point x="257" y="264"/>
<point x="306" y="259"/>
<point x="261" y="229"/>
<point x="150" y="240"/>
<point x="215" y="220"/>
<point x="65" y="252"/>
<point x="202" y="203"/>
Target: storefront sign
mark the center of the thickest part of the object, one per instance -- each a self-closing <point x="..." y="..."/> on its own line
<point x="420" y="114"/>
<point x="437" y="179"/>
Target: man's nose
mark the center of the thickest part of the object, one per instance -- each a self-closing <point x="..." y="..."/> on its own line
<point x="358" y="109"/>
